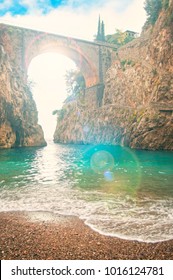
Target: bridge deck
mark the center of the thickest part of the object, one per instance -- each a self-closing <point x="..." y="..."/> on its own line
<point x="97" y="43"/>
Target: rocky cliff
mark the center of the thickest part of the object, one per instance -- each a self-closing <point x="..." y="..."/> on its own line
<point x="18" y="113"/>
<point x="137" y="105"/>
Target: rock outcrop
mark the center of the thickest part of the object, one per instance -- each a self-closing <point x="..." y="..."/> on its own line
<point x="18" y="114"/>
<point x="137" y="105"/>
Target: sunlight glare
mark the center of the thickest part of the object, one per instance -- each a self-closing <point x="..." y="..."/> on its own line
<point x="47" y="75"/>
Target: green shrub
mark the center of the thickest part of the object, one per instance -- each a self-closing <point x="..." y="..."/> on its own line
<point x="165" y="4"/>
<point x="61" y="113"/>
<point x="126" y="62"/>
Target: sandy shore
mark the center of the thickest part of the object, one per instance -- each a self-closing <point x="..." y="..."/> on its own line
<point x="42" y="236"/>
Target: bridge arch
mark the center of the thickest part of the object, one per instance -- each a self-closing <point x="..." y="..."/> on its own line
<point x="92" y="58"/>
<point x="68" y="47"/>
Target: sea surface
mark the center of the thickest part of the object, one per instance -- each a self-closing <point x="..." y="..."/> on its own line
<point x="116" y="191"/>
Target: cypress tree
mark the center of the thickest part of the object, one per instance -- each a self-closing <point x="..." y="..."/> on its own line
<point x="102" y="31"/>
<point x="98" y="37"/>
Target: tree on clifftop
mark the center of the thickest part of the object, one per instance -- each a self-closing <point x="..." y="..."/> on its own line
<point x="152" y="8"/>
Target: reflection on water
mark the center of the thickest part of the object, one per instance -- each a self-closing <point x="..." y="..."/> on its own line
<point x="115" y="190"/>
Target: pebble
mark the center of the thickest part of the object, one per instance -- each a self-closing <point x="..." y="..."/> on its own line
<point x="22" y="238"/>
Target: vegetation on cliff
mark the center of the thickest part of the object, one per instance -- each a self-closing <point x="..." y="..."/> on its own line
<point x="120" y="38"/>
<point x="75" y="82"/>
<point x="137" y="107"/>
<point x="153" y="8"/>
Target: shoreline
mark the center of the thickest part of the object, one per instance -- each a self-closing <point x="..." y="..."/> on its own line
<point x="45" y="236"/>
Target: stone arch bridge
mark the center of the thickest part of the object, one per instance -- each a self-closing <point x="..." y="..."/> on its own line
<point x="92" y="58"/>
<point x="18" y="46"/>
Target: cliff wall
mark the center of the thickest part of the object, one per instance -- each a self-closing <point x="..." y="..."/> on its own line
<point x="18" y="113"/>
<point x="137" y="105"/>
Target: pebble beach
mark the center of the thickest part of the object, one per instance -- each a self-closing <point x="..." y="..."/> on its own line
<point x="42" y="236"/>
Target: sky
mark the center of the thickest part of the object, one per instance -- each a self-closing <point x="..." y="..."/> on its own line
<point x="72" y="18"/>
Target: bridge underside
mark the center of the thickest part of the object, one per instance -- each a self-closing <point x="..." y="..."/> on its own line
<point x="87" y="68"/>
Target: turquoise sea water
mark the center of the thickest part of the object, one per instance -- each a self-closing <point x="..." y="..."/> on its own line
<point x="116" y="191"/>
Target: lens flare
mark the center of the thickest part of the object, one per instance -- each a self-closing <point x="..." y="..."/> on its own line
<point x="109" y="176"/>
<point x="102" y="161"/>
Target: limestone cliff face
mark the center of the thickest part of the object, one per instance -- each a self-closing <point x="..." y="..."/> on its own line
<point x="137" y="106"/>
<point x="18" y="114"/>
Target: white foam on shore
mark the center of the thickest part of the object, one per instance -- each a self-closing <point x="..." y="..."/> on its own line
<point x="141" y="220"/>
